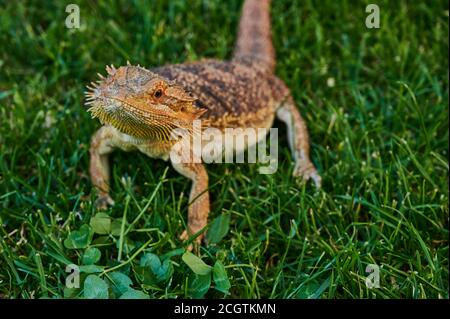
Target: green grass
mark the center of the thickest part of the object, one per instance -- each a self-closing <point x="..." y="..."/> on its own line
<point x="379" y="138"/>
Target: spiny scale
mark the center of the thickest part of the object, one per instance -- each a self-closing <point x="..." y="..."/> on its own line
<point x="110" y="69"/>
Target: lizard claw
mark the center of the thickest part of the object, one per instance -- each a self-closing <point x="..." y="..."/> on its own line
<point x="103" y="202"/>
<point x="307" y="171"/>
<point x="195" y="245"/>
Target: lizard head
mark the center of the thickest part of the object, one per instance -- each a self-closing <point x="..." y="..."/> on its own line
<point x="141" y="103"/>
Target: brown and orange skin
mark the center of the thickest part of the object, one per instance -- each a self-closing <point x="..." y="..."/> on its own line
<point x="139" y="108"/>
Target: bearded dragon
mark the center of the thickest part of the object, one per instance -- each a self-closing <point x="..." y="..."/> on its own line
<point x="139" y="108"/>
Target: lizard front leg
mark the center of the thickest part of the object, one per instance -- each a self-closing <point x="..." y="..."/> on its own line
<point x="101" y="147"/>
<point x="198" y="209"/>
<point x="298" y="141"/>
<point x="104" y="141"/>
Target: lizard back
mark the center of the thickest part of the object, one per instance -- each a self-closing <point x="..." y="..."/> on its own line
<point x="228" y="89"/>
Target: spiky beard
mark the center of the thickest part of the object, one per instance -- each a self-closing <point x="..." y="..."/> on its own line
<point x="150" y="127"/>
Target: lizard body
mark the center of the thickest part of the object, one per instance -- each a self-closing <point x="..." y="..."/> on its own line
<point x="140" y="108"/>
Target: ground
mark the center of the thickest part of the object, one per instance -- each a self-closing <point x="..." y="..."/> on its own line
<point x="376" y="104"/>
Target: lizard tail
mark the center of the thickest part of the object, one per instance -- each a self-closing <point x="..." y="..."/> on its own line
<point x="254" y="41"/>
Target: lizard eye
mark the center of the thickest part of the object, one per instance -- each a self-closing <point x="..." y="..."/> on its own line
<point x="158" y="93"/>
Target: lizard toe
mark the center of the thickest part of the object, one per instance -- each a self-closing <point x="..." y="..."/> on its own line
<point x="103" y="202"/>
<point x="195" y="245"/>
<point x="306" y="172"/>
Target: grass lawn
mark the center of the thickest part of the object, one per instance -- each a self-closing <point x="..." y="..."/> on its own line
<point x="376" y="104"/>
